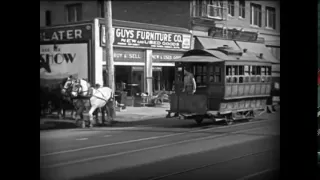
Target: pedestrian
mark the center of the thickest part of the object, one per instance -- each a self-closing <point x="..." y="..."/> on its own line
<point x="189" y="85"/>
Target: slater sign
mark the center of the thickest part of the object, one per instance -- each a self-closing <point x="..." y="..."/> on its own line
<point x="70" y="33"/>
<point x="130" y="37"/>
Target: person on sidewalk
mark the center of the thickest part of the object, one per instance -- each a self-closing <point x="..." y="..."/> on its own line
<point x="189" y="85"/>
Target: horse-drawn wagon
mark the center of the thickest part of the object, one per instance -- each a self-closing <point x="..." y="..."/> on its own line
<point x="231" y="85"/>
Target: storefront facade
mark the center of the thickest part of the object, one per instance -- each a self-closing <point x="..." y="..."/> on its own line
<point x="64" y="51"/>
<point x="143" y="54"/>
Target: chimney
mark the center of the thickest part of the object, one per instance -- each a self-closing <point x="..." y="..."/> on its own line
<point x="261" y="55"/>
<point x="245" y="50"/>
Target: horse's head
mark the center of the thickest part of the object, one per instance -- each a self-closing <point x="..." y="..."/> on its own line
<point x="67" y="85"/>
<point x="76" y="88"/>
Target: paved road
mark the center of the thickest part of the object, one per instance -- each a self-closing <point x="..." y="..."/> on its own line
<point x="164" y="147"/>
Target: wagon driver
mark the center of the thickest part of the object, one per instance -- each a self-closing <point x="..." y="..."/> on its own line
<point x="189" y="85"/>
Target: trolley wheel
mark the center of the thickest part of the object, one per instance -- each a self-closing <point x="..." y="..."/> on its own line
<point x="229" y="120"/>
<point x="199" y="119"/>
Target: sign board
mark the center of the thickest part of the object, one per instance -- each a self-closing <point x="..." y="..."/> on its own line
<point x="127" y="55"/>
<point x="141" y="38"/>
<point x="75" y="32"/>
<point x="165" y="56"/>
<point x="61" y="60"/>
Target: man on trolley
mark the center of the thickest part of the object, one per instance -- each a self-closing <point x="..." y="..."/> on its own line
<point x="189" y="83"/>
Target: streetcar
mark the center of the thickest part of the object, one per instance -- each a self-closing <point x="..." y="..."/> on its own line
<point x="231" y="85"/>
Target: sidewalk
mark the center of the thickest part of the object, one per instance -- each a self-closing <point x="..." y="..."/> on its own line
<point x="131" y="114"/>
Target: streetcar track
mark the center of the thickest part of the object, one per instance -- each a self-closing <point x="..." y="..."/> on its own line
<point x="144" y="139"/>
<point x="143" y="149"/>
<point x="210" y="165"/>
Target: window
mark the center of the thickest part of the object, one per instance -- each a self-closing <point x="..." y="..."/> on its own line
<point x="215" y="74"/>
<point x="246" y="70"/>
<point x="255" y="14"/>
<point x="242" y="8"/>
<point x="48" y="18"/>
<point x="201" y="74"/>
<point x="271" y="17"/>
<point x="74" y="12"/>
<point x="101" y="5"/>
<point x="231" y="8"/>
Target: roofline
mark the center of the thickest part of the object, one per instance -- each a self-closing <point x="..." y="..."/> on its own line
<point x="139" y="25"/>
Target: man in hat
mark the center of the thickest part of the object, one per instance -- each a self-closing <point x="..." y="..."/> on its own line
<point x="189" y="85"/>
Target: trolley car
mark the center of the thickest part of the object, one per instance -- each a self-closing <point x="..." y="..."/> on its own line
<point x="231" y="85"/>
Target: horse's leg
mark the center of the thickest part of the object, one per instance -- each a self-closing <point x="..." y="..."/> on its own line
<point x="103" y="109"/>
<point x="92" y="109"/>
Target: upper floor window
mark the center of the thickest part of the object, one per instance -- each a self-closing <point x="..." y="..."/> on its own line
<point x="271" y="17"/>
<point x="255" y="14"/>
<point x="242" y="8"/>
<point x="48" y="18"/>
<point x="74" y="12"/>
<point x="208" y="8"/>
<point x="231" y="8"/>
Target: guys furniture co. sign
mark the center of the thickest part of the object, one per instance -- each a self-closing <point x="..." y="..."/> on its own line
<point x="131" y="37"/>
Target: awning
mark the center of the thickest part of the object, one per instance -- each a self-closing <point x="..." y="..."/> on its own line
<point x="258" y="48"/>
<point x="198" y="59"/>
<point x="210" y="43"/>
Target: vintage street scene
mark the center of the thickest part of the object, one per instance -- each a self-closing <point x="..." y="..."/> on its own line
<point x="152" y="90"/>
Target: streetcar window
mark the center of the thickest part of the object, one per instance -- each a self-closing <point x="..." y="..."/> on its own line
<point x="217" y="74"/>
<point x="263" y="70"/>
<point x="268" y="70"/>
<point x="228" y="79"/>
<point x="253" y="70"/>
<point x="253" y="79"/>
<point x="235" y="70"/>
<point x="246" y="79"/>
<point x="258" y="70"/>
<point x="241" y="70"/>
<point x="246" y="70"/>
<point x="228" y="70"/>
<point x="235" y="79"/>
<point x="240" y="79"/>
<point x="201" y="74"/>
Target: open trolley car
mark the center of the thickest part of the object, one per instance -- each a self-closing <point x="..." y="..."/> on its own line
<point x="231" y="85"/>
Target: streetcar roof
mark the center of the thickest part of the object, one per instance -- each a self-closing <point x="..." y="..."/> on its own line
<point x="198" y="59"/>
<point x="217" y="55"/>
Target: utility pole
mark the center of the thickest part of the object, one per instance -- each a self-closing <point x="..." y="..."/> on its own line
<point x="109" y="53"/>
<point x="109" y="44"/>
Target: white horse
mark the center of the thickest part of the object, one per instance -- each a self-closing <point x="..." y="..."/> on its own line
<point x="99" y="98"/>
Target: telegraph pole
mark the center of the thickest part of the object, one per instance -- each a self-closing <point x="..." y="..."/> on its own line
<point x="109" y="53"/>
<point x="109" y="44"/>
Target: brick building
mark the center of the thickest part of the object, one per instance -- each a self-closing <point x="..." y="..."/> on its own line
<point x="255" y="21"/>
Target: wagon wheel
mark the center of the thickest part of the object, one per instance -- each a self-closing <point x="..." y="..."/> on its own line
<point x="79" y="123"/>
<point x="199" y="119"/>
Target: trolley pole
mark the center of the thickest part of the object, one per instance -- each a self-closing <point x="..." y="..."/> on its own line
<point x="109" y="44"/>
